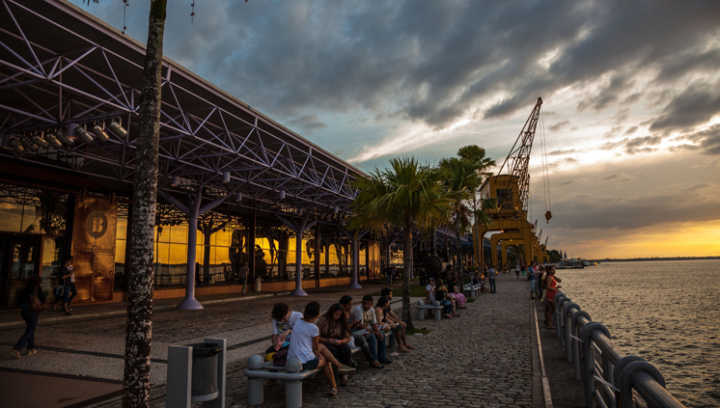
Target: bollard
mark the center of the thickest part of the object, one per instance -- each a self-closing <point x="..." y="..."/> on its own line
<point x="420" y="311"/>
<point x="293" y="389"/>
<point x="588" y="371"/>
<point x="437" y="312"/>
<point x="256" y="395"/>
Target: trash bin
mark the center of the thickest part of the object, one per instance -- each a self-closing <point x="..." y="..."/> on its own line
<point x="204" y="371"/>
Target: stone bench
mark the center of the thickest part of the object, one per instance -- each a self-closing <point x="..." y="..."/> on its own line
<point x="422" y="307"/>
<point x="291" y="374"/>
<point x="471" y="290"/>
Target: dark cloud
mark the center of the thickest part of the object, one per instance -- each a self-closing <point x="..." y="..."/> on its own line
<point x="641" y="144"/>
<point x="696" y="105"/>
<point x="431" y="61"/>
<point x="631" y="130"/>
<point x="307" y="122"/>
<point x="681" y="65"/>
<point x="707" y="140"/>
<point x="560" y="125"/>
<point x="562" y="152"/>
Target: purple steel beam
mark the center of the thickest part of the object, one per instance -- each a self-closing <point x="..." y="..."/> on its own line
<point x="292" y="174"/>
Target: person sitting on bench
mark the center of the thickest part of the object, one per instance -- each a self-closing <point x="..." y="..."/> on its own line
<point x="359" y="340"/>
<point x="459" y="297"/>
<point x="441" y="294"/>
<point x="305" y="347"/>
<point x="335" y="335"/>
<point x="363" y="317"/>
<point x="398" y="332"/>
<point x="283" y="320"/>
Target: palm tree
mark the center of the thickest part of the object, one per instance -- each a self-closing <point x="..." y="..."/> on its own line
<point x="462" y="176"/>
<point x="406" y="195"/>
<point x="140" y="252"/>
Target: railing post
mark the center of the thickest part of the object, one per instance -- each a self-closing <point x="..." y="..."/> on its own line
<point x="569" y="309"/>
<point x="624" y="378"/>
<point x="578" y="328"/>
<point x="586" y="335"/>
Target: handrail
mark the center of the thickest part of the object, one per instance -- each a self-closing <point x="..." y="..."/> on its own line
<point x="609" y="379"/>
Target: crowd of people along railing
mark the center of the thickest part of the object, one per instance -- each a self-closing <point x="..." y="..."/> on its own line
<point x="609" y="379"/>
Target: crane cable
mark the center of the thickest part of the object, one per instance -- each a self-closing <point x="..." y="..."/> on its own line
<point x="546" y="172"/>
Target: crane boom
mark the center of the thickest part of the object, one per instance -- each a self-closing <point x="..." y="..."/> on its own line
<point x="518" y="160"/>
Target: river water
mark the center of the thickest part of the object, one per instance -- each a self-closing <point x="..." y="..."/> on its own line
<point x="667" y="312"/>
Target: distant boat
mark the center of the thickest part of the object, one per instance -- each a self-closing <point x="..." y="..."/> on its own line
<point x="571" y="264"/>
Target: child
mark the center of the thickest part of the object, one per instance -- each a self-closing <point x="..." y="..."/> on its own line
<point x="305" y="347"/>
<point x="283" y="320"/>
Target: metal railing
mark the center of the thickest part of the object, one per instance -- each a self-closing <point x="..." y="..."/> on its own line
<point x="609" y="379"/>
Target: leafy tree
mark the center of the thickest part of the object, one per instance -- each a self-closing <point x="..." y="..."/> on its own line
<point x="406" y="195"/>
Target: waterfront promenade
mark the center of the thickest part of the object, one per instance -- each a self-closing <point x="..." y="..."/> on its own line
<point x="483" y="358"/>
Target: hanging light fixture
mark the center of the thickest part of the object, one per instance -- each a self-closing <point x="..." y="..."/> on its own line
<point x="238" y="197"/>
<point x="100" y="133"/>
<point x="281" y="195"/>
<point x="52" y="140"/>
<point x="38" y="139"/>
<point x="117" y="128"/>
<point x="30" y="144"/>
<point x="16" y="144"/>
<point x="69" y="137"/>
<point x="226" y="177"/>
<point x="84" y="135"/>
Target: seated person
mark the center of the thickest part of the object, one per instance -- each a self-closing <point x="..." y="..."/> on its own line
<point x="283" y="321"/>
<point x="430" y="290"/>
<point x="363" y="317"/>
<point x="394" y="317"/>
<point x="335" y="335"/>
<point x="388" y="323"/>
<point x="459" y="297"/>
<point x="305" y="347"/>
<point x="442" y="296"/>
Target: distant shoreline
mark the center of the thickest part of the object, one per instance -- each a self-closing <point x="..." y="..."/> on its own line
<point x="677" y="258"/>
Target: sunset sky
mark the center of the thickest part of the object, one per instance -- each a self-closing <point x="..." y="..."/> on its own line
<point x="630" y="121"/>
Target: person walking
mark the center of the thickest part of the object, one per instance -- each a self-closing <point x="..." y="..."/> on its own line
<point x="68" y="280"/>
<point x="491" y="278"/>
<point x="32" y="301"/>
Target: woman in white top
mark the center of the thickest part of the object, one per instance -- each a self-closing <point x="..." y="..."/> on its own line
<point x="305" y="347"/>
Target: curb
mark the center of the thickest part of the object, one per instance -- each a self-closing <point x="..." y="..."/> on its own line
<point x="163" y="308"/>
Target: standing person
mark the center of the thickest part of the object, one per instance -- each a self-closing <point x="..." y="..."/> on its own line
<point x="283" y="320"/>
<point x="531" y="278"/>
<point x="551" y="288"/>
<point x="68" y="279"/>
<point x="335" y="335"/>
<point x="32" y="301"/>
<point x="517" y="272"/>
<point x="491" y="278"/>
<point x="305" y="347"/>
<point x="363" y="317"/>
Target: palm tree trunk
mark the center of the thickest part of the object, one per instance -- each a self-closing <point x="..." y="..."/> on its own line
<point x="140" y="256"/>
<point x="407" y="260"/>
